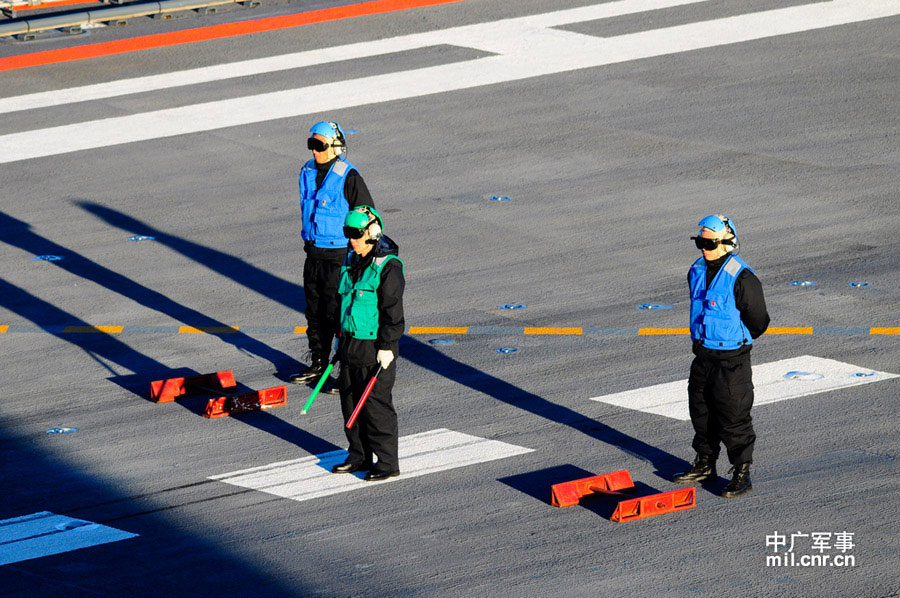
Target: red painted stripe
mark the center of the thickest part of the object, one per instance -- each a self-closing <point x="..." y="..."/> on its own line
<point x="212" y="32"/>
<point x="52" y="4"/>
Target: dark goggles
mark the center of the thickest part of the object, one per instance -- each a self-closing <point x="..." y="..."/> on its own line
<point x="354" y="233"/>
<point x="317" y="144"/>
<point x="710" y="244"/>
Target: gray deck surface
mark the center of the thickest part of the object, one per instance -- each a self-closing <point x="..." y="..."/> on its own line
<point x="795" y="137"/>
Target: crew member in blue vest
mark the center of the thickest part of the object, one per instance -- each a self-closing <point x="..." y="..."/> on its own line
<point x="371" y="324"/>
<point x="728" y="311"/>
<point x="330" y="186"/>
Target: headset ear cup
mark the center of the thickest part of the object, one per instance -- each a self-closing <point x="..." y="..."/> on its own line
<point x="731" y="244"/>
<point x="375" y="231"/>
<point x="340" y="144"/>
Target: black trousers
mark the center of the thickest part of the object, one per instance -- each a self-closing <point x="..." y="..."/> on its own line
<point x="720" y="395"/>
<point x="375" y="430"/>
<point x="320" y="284"/>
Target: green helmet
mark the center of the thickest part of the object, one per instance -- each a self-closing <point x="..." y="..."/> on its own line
<point x="362" y="218"/>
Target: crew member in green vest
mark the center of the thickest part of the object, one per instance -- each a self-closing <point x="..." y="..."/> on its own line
<point x="371" y="324"/>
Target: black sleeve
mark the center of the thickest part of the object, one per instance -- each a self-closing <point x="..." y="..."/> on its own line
<point x="356" y="192"/>
<point x="390" y="306"/>
<point x="748" y="296"/>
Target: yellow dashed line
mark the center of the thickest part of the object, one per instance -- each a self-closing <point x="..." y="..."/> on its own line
<point x="536" y="330"/>
<point x="660" y="331"/>
<point x="93" y="329"/>
<point x="884" y="331"/>
<point x="530" y="330"/>
<point x="438" y="329"/>
<point x="207" y="329"/>
<point x="790" y="330"/>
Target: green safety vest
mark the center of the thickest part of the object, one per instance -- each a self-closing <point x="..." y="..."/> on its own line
<point x="359" y="300"/>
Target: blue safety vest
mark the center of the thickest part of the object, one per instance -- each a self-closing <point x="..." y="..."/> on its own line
<point x="323" y="210"/>
<point x="715" y="319"/>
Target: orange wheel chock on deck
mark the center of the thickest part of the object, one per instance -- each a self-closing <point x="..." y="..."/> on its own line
<point x="165" y="391"/>
<point x="568" y="494"/>
<point x="248" y="401"/>
<point x="656" y="504"/>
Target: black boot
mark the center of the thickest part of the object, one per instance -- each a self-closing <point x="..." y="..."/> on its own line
<point x="313" y="372"/>
<point x="349" y="466"/>
<point x="330" y="387"/>
<point x="740" y="483"/>
<point x="704" y="470"/>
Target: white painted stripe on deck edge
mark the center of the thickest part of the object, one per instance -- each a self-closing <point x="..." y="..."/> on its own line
<point x="45" y="533"/>
<point x="770" y="386"/>
<point x="420" y="454"/>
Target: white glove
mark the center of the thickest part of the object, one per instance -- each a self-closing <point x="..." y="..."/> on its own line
<point x="384" y="358"/>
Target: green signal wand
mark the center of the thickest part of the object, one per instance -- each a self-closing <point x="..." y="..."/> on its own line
<point x="319" y="385"/>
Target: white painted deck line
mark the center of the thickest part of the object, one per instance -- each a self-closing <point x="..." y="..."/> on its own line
<point x="771" y="386"/>
<point x="420" y="454"/>
<point x="44" y="533"/>
<point x="523" y="48"/>
<point x="319" y="56"/>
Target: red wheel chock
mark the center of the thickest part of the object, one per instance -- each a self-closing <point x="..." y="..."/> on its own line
<point x="656" y="504"/>
<point x="165" y="391"/>
<point x="248" y="401"/>
<point x="568" y="494"/>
